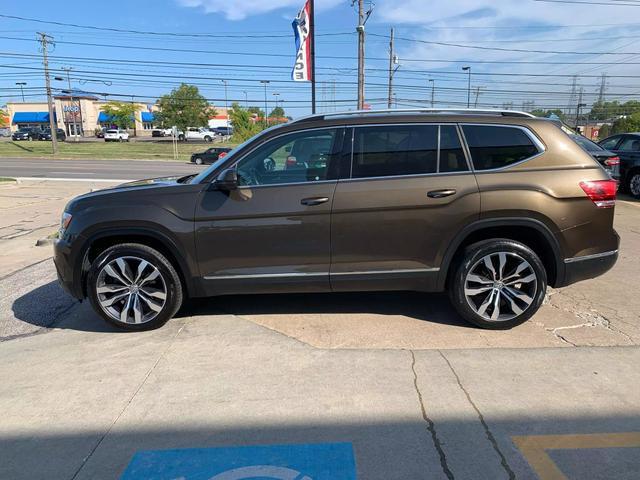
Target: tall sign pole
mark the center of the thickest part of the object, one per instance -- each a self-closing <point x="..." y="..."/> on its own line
<point x="44" y="42"/>
<point x="312" y="53"/>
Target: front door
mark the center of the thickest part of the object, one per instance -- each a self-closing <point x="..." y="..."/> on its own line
<point x="272" y="233"/>
<point x="410" y="191"/>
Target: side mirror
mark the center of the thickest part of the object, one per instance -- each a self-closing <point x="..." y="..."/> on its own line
<point x="227" y="180"/>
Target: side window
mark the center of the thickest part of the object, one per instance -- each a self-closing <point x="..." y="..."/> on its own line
<point x="395" y="150"/>
<point x="497" y="146"/>
<point x="294" y="158"/>
<point x="630" y="144"/>
<point x="452" y="157"/>
<point x="610" y="143"/>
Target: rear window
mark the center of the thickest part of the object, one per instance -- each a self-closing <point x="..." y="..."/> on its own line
<point x="587" y="144"/>
<point x="112" y="131"/>
<point x="493" y="146"/>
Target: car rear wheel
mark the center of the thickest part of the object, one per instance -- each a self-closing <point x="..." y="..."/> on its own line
<point x="134" y="287"/>
<point x="498" y="284"/>
<point x="633" y="184"/>
<point x="207" y="139"/>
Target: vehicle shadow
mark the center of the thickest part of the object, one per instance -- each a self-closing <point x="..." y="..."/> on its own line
<point x="49" y="306"/>
<point x="17" y="145"/>
<point x="425" y="307"/>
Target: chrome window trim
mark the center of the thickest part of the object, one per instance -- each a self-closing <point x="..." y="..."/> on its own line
<point x="590" y="257"/>
<point x="411" y="175"/>
<point x="536" y="141"/>
<point x="382" y="272"/>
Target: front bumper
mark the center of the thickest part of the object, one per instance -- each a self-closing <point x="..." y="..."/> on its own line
<point x="63" y="259"/>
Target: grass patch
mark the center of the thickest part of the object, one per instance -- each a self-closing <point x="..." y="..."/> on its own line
<point x="7" y="180"/>
<point x="147" y="150"/>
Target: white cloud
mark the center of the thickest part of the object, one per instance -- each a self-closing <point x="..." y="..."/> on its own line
<point x="241" y="9"/>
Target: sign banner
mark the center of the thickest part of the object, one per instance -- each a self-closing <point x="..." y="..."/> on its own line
<point x="302" y="68"/>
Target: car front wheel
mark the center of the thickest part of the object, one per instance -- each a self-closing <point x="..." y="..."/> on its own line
<point x="198" y="161"/>
<point x="498" y="284"/>
<point x="134" y="287"/>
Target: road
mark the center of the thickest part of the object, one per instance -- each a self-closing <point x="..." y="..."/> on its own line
<point x="93" y="169"/>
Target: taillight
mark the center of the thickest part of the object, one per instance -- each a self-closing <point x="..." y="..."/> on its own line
<point x="601" y="192"/>
<point x="222" y="155"/>
<point x="291" y="161"/>
<point x="613" y="161"/>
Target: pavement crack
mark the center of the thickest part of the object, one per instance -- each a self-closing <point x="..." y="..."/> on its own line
<point x="430" y="425"/>
<point x="487" y="431"/>
<point x="124" y="409"/>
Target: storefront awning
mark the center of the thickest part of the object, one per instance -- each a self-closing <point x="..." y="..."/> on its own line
<point x="30" y="117"/>
<point x="147" y="116"/>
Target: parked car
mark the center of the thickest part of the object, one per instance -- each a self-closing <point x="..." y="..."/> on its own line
<point x="26" y="133"/>
<point x="609" y="160"/>
<point x="490" y="206"/>
<point x="210" y="155"/>
<point x="196" y="134"/>
<point x="5" y="132"/>
<point x="45" y="134"/>
<point x="162" y="132"/>
<point x="223" y="131"/>
<point x="116" y="135"/>
<point x="100" y="132"/>
<point x="627" y="147"/>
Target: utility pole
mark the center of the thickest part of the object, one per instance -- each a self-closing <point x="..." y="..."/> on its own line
<point x="578" y="107"/>
<point x="226" y="104"/>
<point x="44" y="42"/>
<point x="265" y="83"/>
<point x="391" y="62"/>
<point x="477" y="96"/>
<point x="312" y="53"/>
<point x="468" y="69"/>
<point x="360" y="30"/>
<point x="433" y="91"/>
<point x="21" y="85"/>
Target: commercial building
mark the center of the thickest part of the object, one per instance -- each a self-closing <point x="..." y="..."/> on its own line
<point x="83" y="115"/>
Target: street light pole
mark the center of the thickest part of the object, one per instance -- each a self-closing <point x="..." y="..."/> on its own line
<point x="246" y="102"/>
<point x="75" y="125"/>
<point x="265" y="83"/>
<point x="468" y="69"/>
<point x="21" y="84"/>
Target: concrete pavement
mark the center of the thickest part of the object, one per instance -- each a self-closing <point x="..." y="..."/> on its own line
<point x="78" y="402"/>
<point x="93" y="169"/>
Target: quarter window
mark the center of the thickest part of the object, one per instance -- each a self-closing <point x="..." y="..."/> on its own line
<point x="610" y="143"/>
<point x="498" y="146"/>
<point x="294" y="158"/>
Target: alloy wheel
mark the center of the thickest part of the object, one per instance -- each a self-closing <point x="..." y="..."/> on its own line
<point x="131" y="290"/>
<point x="500" y="286"/>
<point x="634" y="185"/>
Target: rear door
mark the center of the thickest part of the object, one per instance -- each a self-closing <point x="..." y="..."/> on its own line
<point x="408" y="192"/>
<point x="628" y="149"/>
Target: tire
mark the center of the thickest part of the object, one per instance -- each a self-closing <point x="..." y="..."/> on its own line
<point x="145" y="295"/>
<point x="198" y="161"/>
<point x="633" y="184"/>
<point x="473" y="289"/>
<point x="207" y="139"/>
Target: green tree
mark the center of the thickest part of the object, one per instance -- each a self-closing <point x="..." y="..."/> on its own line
<point x="604" y="132"/>
<point x="629" y="123"/>
<point x="121" y="113"/>
<point x="3" y="118"/>
<point x="244" y="126"/>
<point x="184" y="107"/>
<point x="277" y="112"/>
<point x="538" y="112"/>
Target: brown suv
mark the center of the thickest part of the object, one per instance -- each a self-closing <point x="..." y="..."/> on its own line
<point x="491" y="206"/>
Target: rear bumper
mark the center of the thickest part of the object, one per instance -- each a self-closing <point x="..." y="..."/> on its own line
<point x="589" y="266"/>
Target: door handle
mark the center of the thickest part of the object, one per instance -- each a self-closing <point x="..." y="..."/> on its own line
<point x="311" y="201"/>
<point x="441" y="193"/>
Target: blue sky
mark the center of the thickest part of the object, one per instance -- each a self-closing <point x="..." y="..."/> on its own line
<point x="256" y="42"/>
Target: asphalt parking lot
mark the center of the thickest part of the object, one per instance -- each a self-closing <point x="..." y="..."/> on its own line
<point x="394" y="382"/>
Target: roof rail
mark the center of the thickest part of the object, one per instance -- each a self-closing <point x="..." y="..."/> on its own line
<point x="469" y="111"/>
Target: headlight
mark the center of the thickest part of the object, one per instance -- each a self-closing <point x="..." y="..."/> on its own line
<point x="64" y="223"/>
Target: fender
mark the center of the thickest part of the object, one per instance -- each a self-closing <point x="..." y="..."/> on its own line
<point x="501" y="222"/>
<point x="186" y="272"/>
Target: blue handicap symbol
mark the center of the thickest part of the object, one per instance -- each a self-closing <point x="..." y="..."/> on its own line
<point x="322" y="461"/>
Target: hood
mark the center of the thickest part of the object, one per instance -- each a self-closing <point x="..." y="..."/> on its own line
<point x="151" y="181"/>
